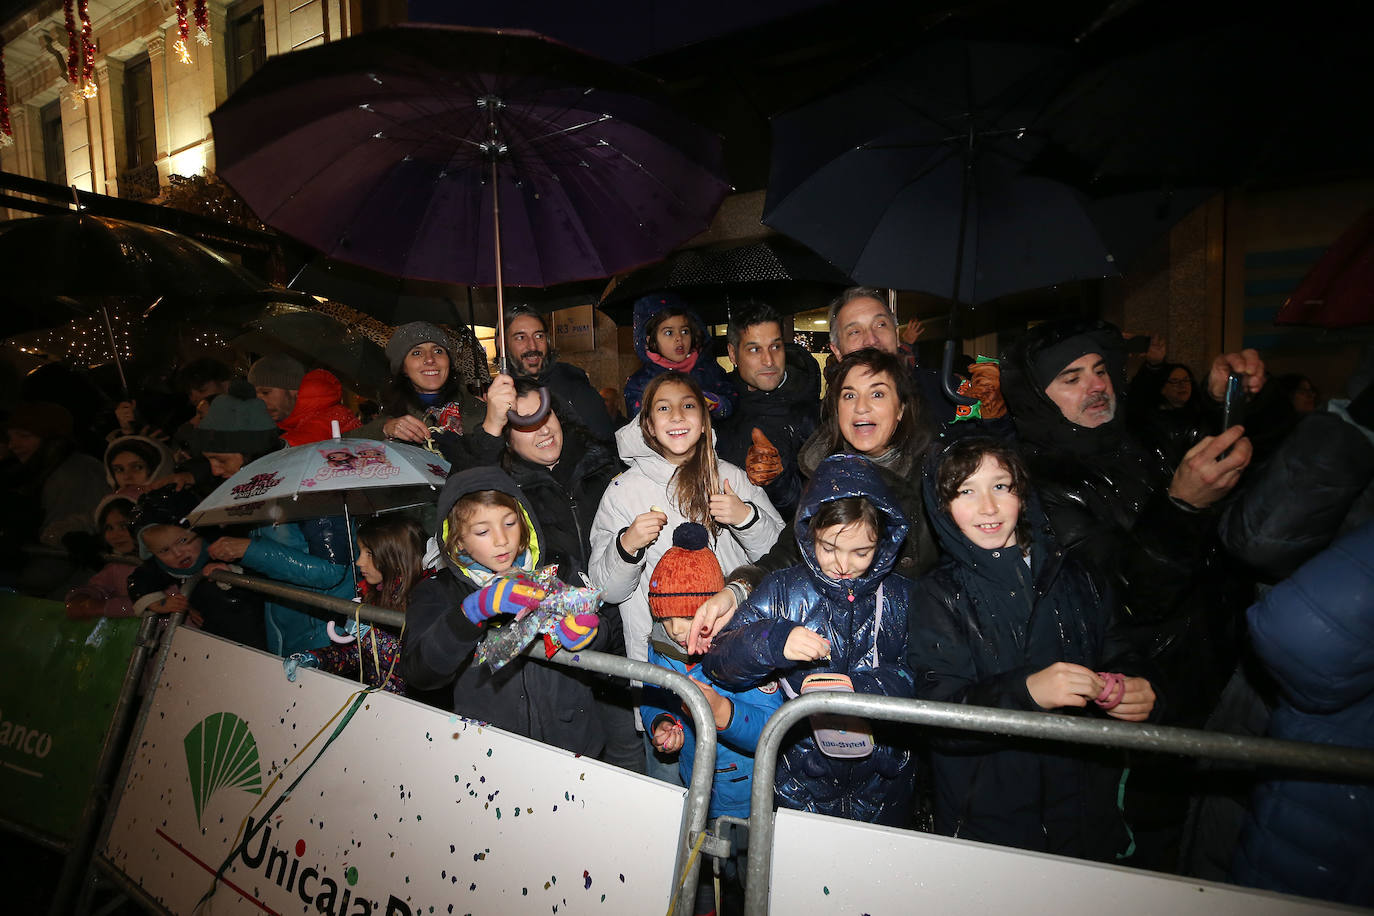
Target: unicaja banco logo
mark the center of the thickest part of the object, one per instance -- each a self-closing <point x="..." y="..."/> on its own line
<point x="221" y="753"/>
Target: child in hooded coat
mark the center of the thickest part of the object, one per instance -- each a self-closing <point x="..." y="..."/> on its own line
<point x="548" y="703"/>
<point x="670" y="336"/>
<point x="863" y="622"/>
<point x="1006" y="620"/>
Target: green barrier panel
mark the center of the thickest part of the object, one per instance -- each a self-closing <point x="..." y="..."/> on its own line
<point x="61" y="683"/>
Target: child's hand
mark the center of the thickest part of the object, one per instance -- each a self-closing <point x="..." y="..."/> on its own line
<point x="1064" y="684"/>
<point x="500" y="400"/>
<point x="178" y="603"/>
<point x="667" y="737"/>
<point x="644" y="530"/>
<point x="229" y="549"/>
<point x="1136" y="703"/>
<point x="715" y="612"/>
<point x="805" y="645"/>
<point x="575" y="631"/>
<point x="721" y="708"/>
<point x="729" y="509"/>
<point x="504" y="596"/>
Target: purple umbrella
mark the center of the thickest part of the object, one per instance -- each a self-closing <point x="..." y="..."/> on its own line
<point x="381" y="150"/>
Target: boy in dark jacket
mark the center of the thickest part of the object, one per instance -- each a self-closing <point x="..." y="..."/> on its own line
<point x="487" y="539"/>
<point x="1007" y="621"/>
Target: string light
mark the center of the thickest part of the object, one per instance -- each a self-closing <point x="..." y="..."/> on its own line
<point x="202" y="23"/>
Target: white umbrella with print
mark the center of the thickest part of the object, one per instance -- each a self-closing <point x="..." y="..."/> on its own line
<point x="349" y="477"/>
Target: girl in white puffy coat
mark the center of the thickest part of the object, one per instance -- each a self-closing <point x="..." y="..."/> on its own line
<point x="674" y="477"/>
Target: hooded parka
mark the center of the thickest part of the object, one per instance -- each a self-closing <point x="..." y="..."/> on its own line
<point x="541" y="701"/>
<point x="981" y="623"/>
<point x="867" y="645"/>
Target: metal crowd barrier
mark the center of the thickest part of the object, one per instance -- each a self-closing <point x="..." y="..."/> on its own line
<point x="695" y="810"/>
<point x="1348" y="762"/>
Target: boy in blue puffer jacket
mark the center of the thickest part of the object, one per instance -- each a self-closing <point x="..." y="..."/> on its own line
<point x="686" y="575"/>
<point x="839" y="621"/>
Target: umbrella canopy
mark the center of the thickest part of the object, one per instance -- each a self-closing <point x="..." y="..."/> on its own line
<point x="776" y="270"/>
<point x="913" y="178"/>
<point x="77" y="256"/>
<point x="378" y="149"/>
<point x="333" y="477"/>
<point x="352" y="350"/>
<point x="1338" y="292"/>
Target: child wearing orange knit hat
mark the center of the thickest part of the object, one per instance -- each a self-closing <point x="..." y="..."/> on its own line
<point x="686" y="575"/>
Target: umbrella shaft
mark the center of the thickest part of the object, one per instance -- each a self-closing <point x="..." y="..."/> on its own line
<point x="496" y="245"/>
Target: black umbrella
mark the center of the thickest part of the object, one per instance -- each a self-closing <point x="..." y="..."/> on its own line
<point x="914" y="177"/>
<point x="350" y="348"/>
<point x="76" y="264"/>
<point x="776" y="270"/>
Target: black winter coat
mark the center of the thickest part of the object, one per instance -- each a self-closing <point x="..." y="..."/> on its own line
<point x="981" y="623"/>
<point x="545" y="702"/>
<point x="231" y="613"/>
<point x="787" y="415"/>
<point x="1107" y="499"/>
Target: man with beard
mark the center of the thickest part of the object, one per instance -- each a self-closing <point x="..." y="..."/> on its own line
<point x="779" y="387"/>
<point x="531" y="355"/>
<point x="1146" y="531"/>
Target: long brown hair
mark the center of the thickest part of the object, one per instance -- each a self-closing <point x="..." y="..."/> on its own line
<point x="397" y="545"/>
<point x="698" y="477"/>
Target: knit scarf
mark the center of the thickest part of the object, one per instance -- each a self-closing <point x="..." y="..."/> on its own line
<point x="687" y="365"/>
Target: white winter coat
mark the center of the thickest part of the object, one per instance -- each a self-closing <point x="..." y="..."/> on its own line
<point x="645" y="485"/>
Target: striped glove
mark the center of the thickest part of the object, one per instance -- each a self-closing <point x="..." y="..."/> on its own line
<point x="504" y="596"/>
<point x="575" y="631"/>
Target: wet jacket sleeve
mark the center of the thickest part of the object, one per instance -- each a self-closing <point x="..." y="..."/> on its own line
<point x="750" y="650"/>
<point x="277" y="561"/>
<point x="148" y="585"/>
<point x="439" y="639"/>
<point x="610" y="568"/>
<point x="474" y="449"/>
<point x="752" y="708"/>
<point x="327" y="537"/>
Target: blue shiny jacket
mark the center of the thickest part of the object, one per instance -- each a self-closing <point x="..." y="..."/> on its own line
<point x="1315" y="634"/>
<point x="878" y="788"/>
<point x="312" y="554"/>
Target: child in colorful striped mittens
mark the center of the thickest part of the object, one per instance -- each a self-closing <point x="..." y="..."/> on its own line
<point x="489" y="542"/>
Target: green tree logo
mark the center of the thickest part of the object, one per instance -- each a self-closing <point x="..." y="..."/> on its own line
<point x="221" y="753"/>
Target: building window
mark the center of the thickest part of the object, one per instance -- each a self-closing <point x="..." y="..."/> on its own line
<point x="247" y="44"/>
<point x="54" y="148"/>
<point x="140" y="136"/>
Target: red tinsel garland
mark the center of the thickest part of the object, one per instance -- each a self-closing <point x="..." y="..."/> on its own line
<point x="73" y="41"/>
<point x="183" y="33"/>
<point x="87" y="46"/>
<point x="202" y="23"/>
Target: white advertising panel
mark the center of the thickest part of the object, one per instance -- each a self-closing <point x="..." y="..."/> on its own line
<point x="408" y="811"/>
<point x="831" y="866"/>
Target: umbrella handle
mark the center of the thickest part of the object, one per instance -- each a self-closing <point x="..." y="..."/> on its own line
<point x="947" y="377"/>
<point x="534" y="419"/>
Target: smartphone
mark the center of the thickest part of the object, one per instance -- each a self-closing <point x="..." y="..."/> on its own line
<point x="1140" y="343"/>
<point x="1233" y="404"/>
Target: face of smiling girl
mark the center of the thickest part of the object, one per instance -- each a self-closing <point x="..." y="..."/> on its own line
<point x="868" y="411"/>
<point x="676" y="421"/>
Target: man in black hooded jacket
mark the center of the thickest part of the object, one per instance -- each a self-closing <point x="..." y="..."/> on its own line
<point x="1145" y="527"/>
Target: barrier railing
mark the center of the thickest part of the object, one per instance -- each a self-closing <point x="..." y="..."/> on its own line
<point x="1353" y="763"/>
<point x="696" y="807"/>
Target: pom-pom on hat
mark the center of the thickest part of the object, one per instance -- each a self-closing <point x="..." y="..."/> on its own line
<point x="686" y="575"/>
